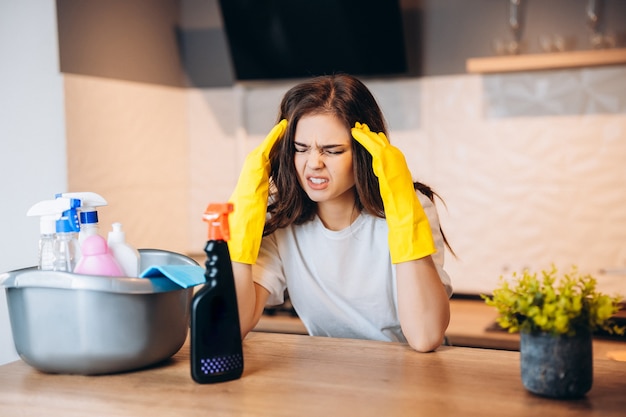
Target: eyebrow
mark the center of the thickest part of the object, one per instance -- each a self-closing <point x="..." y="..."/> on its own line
<point x="323" y="147"/>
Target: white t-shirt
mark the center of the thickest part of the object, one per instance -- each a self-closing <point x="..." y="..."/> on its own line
<point x="341" y="283"/>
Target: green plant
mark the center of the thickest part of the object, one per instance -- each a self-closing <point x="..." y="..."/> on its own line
<point x="563" y="305"/>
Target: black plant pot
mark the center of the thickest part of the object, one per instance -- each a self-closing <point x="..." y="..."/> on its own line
<point x="557" y="366"/>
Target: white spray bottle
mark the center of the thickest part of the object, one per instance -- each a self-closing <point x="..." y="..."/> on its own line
<point x="48" y="211"/>
<point x="88" y="215"/>
<point x="58" y="249"/>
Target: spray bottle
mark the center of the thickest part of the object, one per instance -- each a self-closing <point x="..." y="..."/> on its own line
<point x="88" y="215"/>
<point x="49" y="212"/>
<point x="216" y="351"/>
<point x="66" y="248"/>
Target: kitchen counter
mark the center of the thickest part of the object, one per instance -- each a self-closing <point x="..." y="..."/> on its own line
<point x="471" y="325"/>
<point x="296" y="375"/>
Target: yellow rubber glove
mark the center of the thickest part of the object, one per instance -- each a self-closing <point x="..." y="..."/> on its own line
<point x="250" y="200"/>
<point x="410" y="236"/>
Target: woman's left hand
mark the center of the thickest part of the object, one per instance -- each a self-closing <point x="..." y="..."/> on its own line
<point x="410" y="236"/>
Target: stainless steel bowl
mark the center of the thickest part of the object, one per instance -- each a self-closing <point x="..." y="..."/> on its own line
<point x="81" y="324"/>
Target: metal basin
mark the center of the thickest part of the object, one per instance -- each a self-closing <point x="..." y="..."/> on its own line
<point x="83" y="324"/>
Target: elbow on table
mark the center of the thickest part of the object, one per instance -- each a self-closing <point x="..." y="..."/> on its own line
<point x="247" y="324"/>
<point x="425" y="344"/>
<point x="429" y="337"/>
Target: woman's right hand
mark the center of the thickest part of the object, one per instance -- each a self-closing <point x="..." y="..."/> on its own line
<point x="250" y="200"/>
<point x="251" y="298"/>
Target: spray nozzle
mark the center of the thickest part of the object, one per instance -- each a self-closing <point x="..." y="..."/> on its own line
<point x="88" y="202"/>
<point x="87" y="199"/>
<point x="62" y="213"/>
<point x="69" y="221"/>
<point x="216" y="214"/>
<point x="61" y="210"/>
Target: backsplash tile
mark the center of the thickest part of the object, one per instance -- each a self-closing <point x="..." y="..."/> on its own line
<point x="556" y="93"/>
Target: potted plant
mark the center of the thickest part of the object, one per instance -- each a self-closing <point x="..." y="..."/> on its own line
<point x="556" y="316"/>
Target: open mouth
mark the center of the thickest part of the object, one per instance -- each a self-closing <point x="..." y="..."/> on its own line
<point x="318" y="181"/>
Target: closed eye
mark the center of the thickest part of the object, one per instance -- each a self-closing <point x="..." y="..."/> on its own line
<point x="333" y="149"/>
<point x="325" y="150"/>
<point x="299" y="147"/>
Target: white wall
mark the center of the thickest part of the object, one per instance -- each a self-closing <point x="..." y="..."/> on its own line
<point x="32" y="135"/>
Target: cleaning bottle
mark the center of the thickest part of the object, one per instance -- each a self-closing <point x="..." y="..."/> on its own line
<point x="88" y="215"/>
<point x="125" y="254"/>
<point x="66" y="247"/>
<point x="47" y="227"/>
<point x="96" y="258"/>
<point x="216" y="350"/>
<point x="49" y="212"/>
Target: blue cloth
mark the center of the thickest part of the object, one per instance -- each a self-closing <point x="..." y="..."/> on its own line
<point x="184" y="275"/>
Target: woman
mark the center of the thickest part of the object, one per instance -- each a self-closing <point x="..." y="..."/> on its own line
<point x="346" y="232"/>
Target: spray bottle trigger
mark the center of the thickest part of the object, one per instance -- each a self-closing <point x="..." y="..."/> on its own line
<point x="216" y="214"/>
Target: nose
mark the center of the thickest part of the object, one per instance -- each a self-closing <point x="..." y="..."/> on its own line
<point x="315" y="159"/>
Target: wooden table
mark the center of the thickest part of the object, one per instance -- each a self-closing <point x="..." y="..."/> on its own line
<point x="295" y="375"/>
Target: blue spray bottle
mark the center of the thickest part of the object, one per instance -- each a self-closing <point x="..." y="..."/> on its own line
<point x="216" y="350"/>
<point x="66" y="247"/>
<point x="88" y="215"/>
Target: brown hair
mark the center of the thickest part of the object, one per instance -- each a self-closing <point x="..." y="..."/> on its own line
<point x="350" y="101"/>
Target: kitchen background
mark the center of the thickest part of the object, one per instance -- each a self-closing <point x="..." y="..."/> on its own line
<point x="145" y="111"/>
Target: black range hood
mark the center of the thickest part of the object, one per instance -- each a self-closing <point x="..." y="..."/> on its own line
<point x="282" y="39"/>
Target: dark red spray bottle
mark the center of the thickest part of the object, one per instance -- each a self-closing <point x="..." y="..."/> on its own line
<point x="216" y="350"/>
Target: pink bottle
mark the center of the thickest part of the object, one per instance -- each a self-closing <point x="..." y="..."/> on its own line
<point x="97" y="259"/>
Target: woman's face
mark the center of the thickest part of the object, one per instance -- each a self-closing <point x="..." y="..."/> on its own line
<point x="323" y="158"/>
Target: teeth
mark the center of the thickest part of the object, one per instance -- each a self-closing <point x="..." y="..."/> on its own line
<point x="318" y="180"/>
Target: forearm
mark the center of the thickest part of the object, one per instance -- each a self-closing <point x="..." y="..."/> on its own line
<point x="250" y="297"/>
<point x="423" y="304"/>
